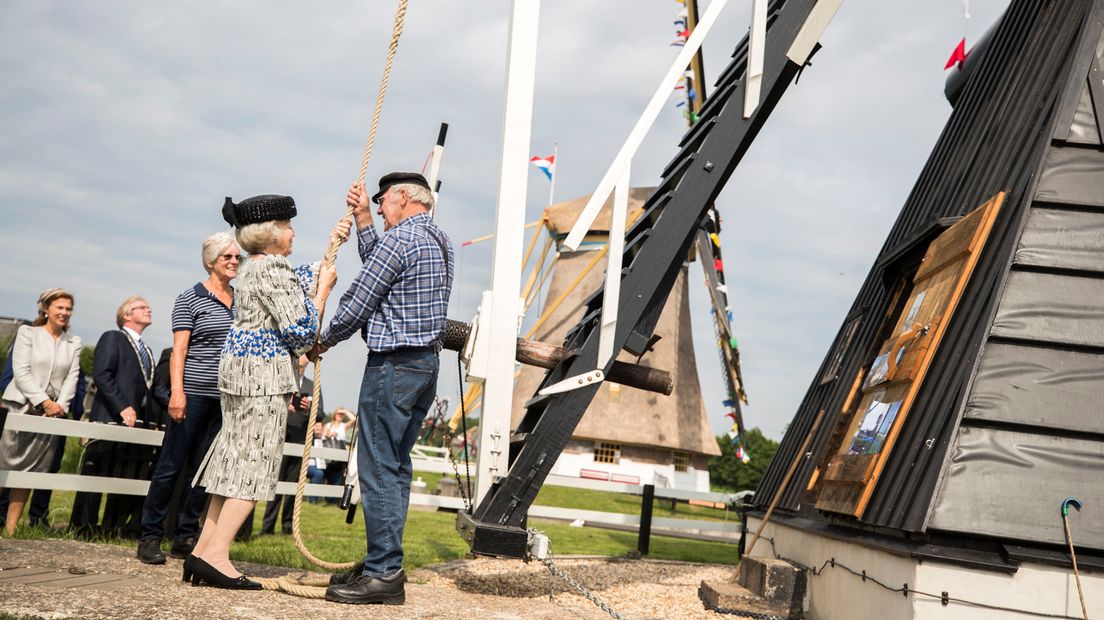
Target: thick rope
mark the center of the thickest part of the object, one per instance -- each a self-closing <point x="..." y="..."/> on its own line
<point x="282" y="584"/>
<point x="303" y="586"/>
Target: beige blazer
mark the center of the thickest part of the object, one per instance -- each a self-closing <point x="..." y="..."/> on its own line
<point x="39" y="362"/>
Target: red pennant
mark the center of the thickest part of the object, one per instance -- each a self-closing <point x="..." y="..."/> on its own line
<point x="718" y="265"/>
<point x="958" y="56"/>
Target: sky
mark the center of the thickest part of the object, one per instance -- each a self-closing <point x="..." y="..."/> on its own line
<point x="125" y="124"/>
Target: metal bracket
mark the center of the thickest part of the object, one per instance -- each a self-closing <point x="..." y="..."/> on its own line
<point x="476" y="351"/>
<point x="574" y="383"/>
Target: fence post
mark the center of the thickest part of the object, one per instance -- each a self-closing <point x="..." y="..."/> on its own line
<point x="645" y="519"/>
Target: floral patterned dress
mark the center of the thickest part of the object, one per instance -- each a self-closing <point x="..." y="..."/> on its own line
<point x="275" y="322"/>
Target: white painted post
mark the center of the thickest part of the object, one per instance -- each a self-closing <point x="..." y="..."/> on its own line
<point x="505" y="306"/>
<point x="811" y="31"/>
<point x="435" y="166"/>
<point x="753" y="80"/>
<point x="647" y="119"/>
<point x="612" y="295"/>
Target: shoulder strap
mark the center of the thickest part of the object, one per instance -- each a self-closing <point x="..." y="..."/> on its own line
<point x="444" y="250"/>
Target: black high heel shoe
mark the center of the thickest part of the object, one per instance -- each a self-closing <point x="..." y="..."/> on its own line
<point x="188" y="567"/>
<point x="204" y="572"/>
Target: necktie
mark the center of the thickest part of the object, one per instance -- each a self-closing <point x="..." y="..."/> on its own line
<point x="143" y="353"/>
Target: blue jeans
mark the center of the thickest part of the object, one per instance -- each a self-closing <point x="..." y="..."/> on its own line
<point x="397" y="391"/>
<point x="183" y="448"/>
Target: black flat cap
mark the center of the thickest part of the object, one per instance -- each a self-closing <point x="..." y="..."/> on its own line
<point x="257" y="209"/>
<point x="397" y="178"/>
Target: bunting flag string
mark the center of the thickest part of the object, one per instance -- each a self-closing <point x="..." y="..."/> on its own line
<point x="685" y="97"/>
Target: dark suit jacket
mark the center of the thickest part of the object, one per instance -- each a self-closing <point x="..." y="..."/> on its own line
<point x="158" y="410"/>
<point x="117" y="372"/>
<point x="297" y="420"/>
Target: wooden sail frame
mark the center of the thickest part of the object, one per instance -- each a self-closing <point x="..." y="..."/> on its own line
<point x="848" y="481"/>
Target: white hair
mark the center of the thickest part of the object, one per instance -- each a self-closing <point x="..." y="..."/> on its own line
<point x="415" y="193"/>
<point x="255" y="238"/>
<point x="213" y="247"/>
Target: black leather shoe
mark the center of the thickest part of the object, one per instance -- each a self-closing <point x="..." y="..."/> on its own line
<point x="387" y="590"/>
<point x="149" y="551"/>
<point x="202" y="572"/>
<point x="337" y="579"/>
<point x="189" y="567"/>
<point x="182" y="548"/>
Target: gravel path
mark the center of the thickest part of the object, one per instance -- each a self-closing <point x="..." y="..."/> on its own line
<point x="477" y="589"/>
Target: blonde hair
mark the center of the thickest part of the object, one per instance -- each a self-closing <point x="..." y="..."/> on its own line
<point x="255" y="238"/>
<point x="124" y="309"/>
<point x="214" y="245"/>
<point x="48" y="297"/>
<point x="415" y="193"/>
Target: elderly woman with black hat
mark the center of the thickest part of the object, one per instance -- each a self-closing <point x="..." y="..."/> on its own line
<point x="275" y="321"/>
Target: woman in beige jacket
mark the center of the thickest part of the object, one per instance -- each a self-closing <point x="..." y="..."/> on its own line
<point x="45" y="364"/>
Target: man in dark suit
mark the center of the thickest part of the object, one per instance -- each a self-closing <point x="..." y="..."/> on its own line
<point x="123" y="372"/>
<point x="123" y="367"/>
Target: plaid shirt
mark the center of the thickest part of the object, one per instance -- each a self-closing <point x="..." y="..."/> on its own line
<point x="400" y="296"/>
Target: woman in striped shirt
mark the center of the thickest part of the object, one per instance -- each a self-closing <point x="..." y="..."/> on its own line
<point x="201" y="318"/>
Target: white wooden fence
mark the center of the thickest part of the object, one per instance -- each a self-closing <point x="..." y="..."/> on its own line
<point x="425" y="459"/>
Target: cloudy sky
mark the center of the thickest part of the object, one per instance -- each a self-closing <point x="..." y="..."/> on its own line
<point x="126" y="123"/>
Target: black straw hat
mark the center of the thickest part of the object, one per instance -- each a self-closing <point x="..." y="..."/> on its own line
<point x="399" y="178"/>
<point x="257" y="209"/>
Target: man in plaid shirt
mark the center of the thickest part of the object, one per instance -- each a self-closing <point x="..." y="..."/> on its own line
<point x="398" y="302"/>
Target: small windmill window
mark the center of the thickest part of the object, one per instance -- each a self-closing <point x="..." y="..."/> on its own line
<point x="607" y="452"/>
<point x="681" y="460"/>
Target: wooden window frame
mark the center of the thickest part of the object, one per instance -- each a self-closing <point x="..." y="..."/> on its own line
<point x="607" y="452"/>
<point x="680" y="461"/>
<point x="848" y="481"/>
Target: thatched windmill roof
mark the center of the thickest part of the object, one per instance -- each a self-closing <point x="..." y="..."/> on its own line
<point x="618" y="413"/>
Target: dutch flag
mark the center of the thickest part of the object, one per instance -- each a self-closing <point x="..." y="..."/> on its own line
<point x="547" y="165"/>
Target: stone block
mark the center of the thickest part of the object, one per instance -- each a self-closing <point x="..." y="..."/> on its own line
<point x="729" y="598"/>
<point x="774" y="580"/>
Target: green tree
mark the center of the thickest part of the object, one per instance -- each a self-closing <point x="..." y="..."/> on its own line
<point x="728" y="473"/>
<point x="5" y="343"/>
<point x="87" y="355"/>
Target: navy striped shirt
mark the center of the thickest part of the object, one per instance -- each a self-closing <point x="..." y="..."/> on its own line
<point x="198" y="310"/>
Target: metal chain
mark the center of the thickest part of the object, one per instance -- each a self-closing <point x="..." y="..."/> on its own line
<point x="456" y="470"/>
<point x="578" y="587"/>
<point x="464" y="489"/>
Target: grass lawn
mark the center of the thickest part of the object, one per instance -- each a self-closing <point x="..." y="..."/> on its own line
<point x="604" y="501"/>
<point x="431" y="537"/>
